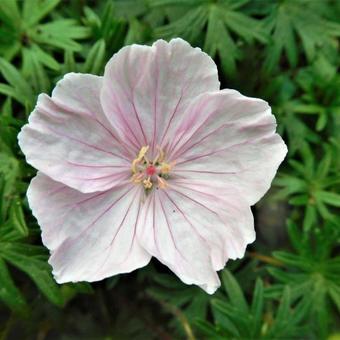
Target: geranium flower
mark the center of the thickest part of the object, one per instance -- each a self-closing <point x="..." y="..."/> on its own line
<point x="152" y="159"/>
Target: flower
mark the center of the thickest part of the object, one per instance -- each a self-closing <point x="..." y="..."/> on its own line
<point x="152" y="159"/>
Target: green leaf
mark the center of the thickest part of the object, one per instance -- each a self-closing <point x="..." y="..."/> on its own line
<point x="334" y="292"/>
<point x="10" y="168"/>
<point x="45" y="58"/>
<point x="32" y="261"/>
<point x="284" y="307"/>
<point x="95" y="59"/>
<point x="291" y="20"/>
<point x="69" y="62"/>
<point x="21" y="88"/>
<point x="33" y="70"/>
<point x="9" y="12"/>
<point x="9" y="293"/>
<point x="16" y="218"/>
<point x="257" y="307"/>
<point x="234" y="292"/>
<point x="61" y="33"/>
<point x="330" y="198"/>
<point x="310" y="217"/>
<point x="35" y="10"/>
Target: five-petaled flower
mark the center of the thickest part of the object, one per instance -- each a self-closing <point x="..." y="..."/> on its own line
<point x="152" y="159"/>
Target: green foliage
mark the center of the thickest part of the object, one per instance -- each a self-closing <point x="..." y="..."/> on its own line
<point x="24" y="33"/>
<point x="222" y="19"/>
<point x="313" y="185"/>
<point x="30" y="259"/>
<point x="235" y="318"/>
<point x="296" y="25"/>
<point x="285" y="51"/>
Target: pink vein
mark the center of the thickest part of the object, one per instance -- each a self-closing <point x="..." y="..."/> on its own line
<point x="86" y="144"/>
<point x="97" y="166"/>
<point x="155" y="107"/>
<point x="170" y="230"/>
<point x="83" y="232"/>
<point x="217" y="151"/>
<point x="187" y="220"/>
<point x="172" y="117"/>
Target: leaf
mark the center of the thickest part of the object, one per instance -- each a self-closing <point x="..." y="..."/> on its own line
<point x="234" y="292"/>
<point x="29" y="259"/>
<point x="289" y="20"/>
<point x="61" y="33"/>
<point x="207" y="329"/>
<point x="95" y="59"/>
<point x="284" y="307"/>
<point x="9" y="12"/>
<point x="16" y="218"/>
<point x="45" y="58"/>
<point x="35" y="10"/>
<point x="231" y="317"/>
<point x="21" y="88"/>
<point x="334" y="292"/>
<point x="9" y="167"/>
<point x="69" y="62"/>
<point x="257" y="307"/>
<point x="310" y="217"/>
<point x="34" y="71"/>
<point x="9" y="293"/>
<point x="224" y="21"/>
<point x="330" y="198"/>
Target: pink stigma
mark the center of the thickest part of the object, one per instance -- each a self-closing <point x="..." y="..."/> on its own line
<point x="150" y="170"/>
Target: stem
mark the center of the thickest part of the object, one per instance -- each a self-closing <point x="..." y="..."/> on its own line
<point x="266" y="259"/>
<point x="5" y="331"/>
<point x="181" y="318"/>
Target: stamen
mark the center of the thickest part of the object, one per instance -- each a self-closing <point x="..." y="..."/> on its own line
<point x="167" y="167"/>
<point x="145" y="172"/>
<point x="134" y="165"/>
<point x="159" y="158"/>
<point x="143" y="152"/>
<point x="141" y="155"/>
<point x="137" y="178"/>
<point x="162" y="183"/>
<point x="147" y="183"/>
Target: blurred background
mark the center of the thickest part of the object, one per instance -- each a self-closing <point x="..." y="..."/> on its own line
<point x="288" y="284"/>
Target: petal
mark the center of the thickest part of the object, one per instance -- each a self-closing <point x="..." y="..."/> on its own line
<point x="229" y="140"/>
<point x="69" y="139"/>
<point x="194" y="228"/>
<point x="91" y="236"/>
<point x="147" y="89"/>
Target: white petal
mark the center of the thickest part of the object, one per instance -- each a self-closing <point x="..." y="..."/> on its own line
<point x="229" y="140"/>
<point x="69" y="139"/>
<point x="147" y="89"/>
<point x="194" y="228"/>
<point x="91" y="236"/>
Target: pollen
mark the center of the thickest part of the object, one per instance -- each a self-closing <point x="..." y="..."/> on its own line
<point x="166" y="167"/>
<point x="147" y="183"/>
<point x="162" y="183"/>
<point x="151" y="173"/>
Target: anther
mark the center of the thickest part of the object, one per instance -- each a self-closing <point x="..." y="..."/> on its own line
<point x="147" y="183"/>
<point x="162" y="184"/>
<point x="167" y="167"/>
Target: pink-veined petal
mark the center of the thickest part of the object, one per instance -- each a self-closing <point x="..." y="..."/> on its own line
<point x="229" y="140"/>
<point x="69" y="139"/>
<point x="147" y="89"/>
<point x="91" y="236"/>
<point x="194" y="228"/>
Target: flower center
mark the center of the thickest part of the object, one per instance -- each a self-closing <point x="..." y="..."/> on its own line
<point x="151" y="170"/>
<point x="150" y="173"/>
